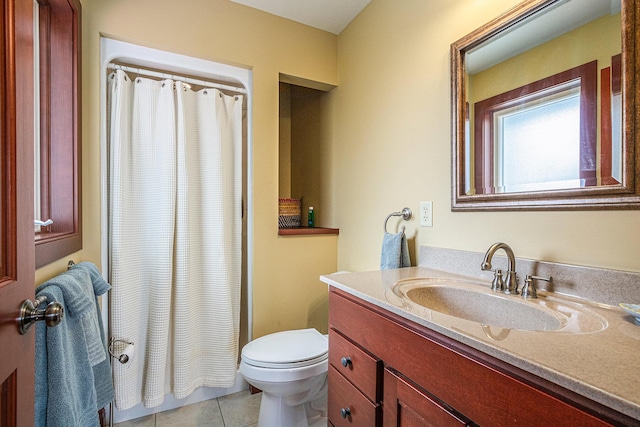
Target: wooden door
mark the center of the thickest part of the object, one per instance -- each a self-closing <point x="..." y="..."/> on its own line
<point x="17" y="266"/>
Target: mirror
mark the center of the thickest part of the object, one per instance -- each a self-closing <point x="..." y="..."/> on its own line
<point x="544" y="109"/>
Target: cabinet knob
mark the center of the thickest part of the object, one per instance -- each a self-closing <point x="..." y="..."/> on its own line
<point x="345" y="412"/>
<point x="346" y="361"/>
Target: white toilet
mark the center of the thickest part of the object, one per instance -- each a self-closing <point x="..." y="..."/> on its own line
<point x="290" y="368"/>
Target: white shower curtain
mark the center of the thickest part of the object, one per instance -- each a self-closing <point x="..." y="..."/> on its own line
<point x="175" y="230"/>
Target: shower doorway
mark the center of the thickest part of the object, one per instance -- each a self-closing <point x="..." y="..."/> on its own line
<point x="165" y="65"/>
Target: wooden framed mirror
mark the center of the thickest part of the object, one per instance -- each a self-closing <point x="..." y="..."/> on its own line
<point x="545" y="108"/>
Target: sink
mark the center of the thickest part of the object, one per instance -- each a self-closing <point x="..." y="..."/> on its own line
<point x="477" y="303"/>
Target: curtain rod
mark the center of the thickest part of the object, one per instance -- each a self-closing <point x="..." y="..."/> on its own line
<point x="149" y="73"/>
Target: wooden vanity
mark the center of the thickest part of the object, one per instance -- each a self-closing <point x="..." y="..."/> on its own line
<point x="386" y="370"/>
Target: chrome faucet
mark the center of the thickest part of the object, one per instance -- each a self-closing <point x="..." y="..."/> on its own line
<point x="510" y="285"/>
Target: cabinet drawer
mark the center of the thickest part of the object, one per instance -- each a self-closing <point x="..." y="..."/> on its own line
<point x="344" y="396"/>
<point x="363" y="370"/>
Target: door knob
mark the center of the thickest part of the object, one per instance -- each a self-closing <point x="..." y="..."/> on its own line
<point x="29" y="314"/>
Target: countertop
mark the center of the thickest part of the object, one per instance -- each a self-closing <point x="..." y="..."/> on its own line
<point x="603" y="366"/>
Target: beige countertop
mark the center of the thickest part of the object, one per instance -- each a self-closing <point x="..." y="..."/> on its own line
<point x="603" y="366"/>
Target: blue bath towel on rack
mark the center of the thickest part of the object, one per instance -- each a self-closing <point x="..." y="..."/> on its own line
<point x="73" y="375"/>
<point x="395" y="251"/>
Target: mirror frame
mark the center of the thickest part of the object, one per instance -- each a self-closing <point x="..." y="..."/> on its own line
<point x="625" y="196"/>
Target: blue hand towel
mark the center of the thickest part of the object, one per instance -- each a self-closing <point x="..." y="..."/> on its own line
<point x="102" y="370"/>
<point x="73" y="378"/>
<point x="395" y="251"/>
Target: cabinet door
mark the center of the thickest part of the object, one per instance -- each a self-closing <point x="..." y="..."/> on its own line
<point x="407" y="406"/>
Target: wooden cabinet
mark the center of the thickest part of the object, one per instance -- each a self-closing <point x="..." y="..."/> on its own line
<point x="398" y="373"/>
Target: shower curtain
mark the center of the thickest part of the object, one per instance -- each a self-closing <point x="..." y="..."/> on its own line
<point x="175" y="230"/>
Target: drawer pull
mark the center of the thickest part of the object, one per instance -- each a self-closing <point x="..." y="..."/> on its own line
<point x="346" y="361"/>
<point x="345" y="412"/>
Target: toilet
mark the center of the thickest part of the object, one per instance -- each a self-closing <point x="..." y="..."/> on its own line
<point x="290" y="368"/>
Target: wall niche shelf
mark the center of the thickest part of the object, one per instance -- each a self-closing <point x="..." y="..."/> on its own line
<point x="306" y="231"/>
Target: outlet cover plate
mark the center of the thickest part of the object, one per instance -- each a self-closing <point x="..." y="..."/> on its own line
<point x="426" y="214"/>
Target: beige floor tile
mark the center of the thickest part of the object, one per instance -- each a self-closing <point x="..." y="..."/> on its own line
<point x="205" y="413"/>
<point x="240" y="409"/>
<point x="148" y="421"/>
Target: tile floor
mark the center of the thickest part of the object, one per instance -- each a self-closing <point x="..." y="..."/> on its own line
<point x="235" y="410"/>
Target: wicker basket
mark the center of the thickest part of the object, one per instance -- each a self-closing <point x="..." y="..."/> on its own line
<point x="288" y="213"/>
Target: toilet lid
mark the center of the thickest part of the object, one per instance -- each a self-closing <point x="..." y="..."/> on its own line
<point x="286" y="349"/>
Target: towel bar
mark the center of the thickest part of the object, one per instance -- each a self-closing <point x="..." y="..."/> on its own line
<point x="406" y="214"/>
<point x="29" y="314"/>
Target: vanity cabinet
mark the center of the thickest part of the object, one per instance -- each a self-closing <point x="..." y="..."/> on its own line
<point x="386" y="370"/>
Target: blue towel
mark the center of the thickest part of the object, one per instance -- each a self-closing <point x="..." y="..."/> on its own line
<point x="395" y="251"/>
<point x="73" y="376"/>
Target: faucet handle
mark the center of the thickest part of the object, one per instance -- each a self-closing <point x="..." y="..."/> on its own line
<point x="529" y="288"/>
<point x="511" y="283"/>
<point x="497" y="285"/>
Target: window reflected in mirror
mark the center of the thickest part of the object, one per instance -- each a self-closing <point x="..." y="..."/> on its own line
<point x="552" y="126"/>
<point x="541" y="136"/>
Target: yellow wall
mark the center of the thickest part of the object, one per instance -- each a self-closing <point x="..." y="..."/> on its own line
<point x="392" y="147"/>
<point x="307" y="138"/>
<point x="286" y="291"/>
<point x="284" y="144"/>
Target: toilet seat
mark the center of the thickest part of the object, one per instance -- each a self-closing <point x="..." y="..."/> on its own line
<point x="286" y="350"/>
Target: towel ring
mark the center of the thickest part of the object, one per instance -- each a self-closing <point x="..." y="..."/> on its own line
<point x="406" y="214"/>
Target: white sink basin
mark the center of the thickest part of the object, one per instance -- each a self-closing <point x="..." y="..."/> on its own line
<point x="478" y="303"/>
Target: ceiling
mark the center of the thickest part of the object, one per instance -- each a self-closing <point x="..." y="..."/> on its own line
<point x="328" y="15"/>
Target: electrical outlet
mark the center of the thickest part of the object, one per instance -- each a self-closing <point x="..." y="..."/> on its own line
<point x="426" y="214"/>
